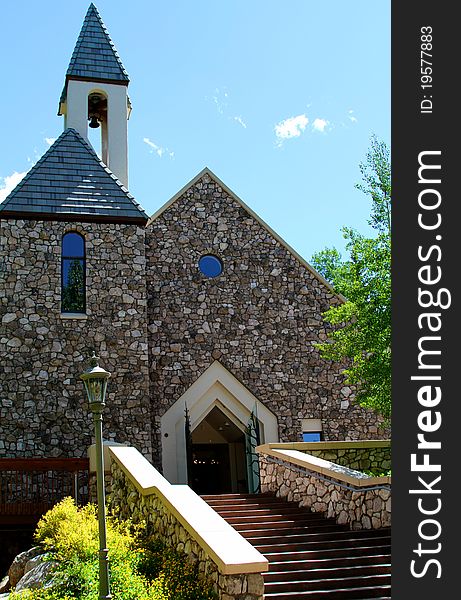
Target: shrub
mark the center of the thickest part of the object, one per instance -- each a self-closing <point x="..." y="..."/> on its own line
<point x="181" y="578"/>
<point x="178" y="576"/>
<point x="72" y="532"/>
<point x="378" y="473"/>
<point x="69" y="531"/>
<point x="141" y="567"/>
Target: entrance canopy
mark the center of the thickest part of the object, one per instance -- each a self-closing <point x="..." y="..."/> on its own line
<point x="214" y="399"/>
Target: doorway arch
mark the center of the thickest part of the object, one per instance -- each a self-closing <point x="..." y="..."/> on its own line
<point x="214" y="396"/>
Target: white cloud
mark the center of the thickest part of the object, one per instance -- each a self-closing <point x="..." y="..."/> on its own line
<point x="290" y="128"/>
<point x="351" y="116"/>
<point x="50" y="141"/>
<point x="220" y="98"/>
<point x="240" y="121"/>
<point x="9" y="183"/>
<point x="320" y="125"/>
<point x="159" y="150"/>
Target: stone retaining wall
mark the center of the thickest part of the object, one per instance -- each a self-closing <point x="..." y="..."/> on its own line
<point x="365" y="508"/>
<point x="373" y="459"/>
<point x="131" y="504"/>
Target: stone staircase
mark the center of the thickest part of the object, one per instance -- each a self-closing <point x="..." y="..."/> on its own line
<point x="309" y="556"/>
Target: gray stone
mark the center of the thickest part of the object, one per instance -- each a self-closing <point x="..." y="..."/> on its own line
<point x="363" y="509"/>
<point x="33" y="562"/>
<point x="4" y="584"/>
<point x="8" y="317"/>
<point x="16" y="570"/>
<point x="37" y="577"/>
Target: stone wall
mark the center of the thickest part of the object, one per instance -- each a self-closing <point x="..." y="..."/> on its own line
<point x="360" y="508"/>
<point x="368" y="459"/>
<point x="150" y="509"/>
<point x="158" y="324"/>
<point x="260" y="318"/>
<point x="43" y="408"/>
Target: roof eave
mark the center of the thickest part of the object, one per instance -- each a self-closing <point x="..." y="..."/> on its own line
<point x="124" y="82"/>
<point x="7" y="215"/>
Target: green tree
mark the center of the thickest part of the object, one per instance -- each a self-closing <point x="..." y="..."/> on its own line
<point x="362" y="324"/>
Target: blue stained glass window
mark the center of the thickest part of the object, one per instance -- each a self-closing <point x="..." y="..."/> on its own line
<point x="311" y="436"/>
<point x="73" y="245"/>
<point x="73" y="273"/>
<point x="210" y="265"/>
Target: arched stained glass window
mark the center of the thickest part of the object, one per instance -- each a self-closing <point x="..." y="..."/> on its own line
<point x="73" y="273"/>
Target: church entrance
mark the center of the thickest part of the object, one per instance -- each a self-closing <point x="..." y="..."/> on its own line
<point x="218" y="463"/>
<point x="210" y="433"/>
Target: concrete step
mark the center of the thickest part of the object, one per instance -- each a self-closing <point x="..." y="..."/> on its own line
<point x="319" y="544"/>
<point x="209" y="498"/>
<point x="309" y="555"/>
<point x="260" y="511"/>
<point x="278" y="556"/>
<point x="250" y="530"/>
<point x="275" y="515"/>
<point x="362" y="593"/>
<point x="304" y="536"/>
<point x="241" y="502"/>
<point x="327" y="563"/>
<point x="327" y="573"/>
<point x="368" y="581"/>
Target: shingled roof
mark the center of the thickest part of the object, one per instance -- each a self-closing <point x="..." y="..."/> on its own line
<point x="70" y="182"/>
<point x="95" y="56"/>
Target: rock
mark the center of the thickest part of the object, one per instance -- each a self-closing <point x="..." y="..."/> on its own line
<point x="37" y="577"/>
<point x="4" y="584"/>
<point x="33" y="562"/>
<point x="8" y="317"/>
<point x="16" y="570"/>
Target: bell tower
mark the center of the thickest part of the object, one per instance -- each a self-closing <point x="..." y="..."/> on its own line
<point x="95" y="94"/>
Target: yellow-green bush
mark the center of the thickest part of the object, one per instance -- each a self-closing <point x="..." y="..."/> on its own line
<point x="141" y="568"/>
<point x="176" y="576"/>
<point x="70" y="531"/>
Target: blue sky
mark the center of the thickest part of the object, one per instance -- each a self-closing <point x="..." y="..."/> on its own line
<point x="279" y="99"/>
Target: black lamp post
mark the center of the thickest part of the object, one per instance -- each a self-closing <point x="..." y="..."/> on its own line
<point x="95" y="381"/>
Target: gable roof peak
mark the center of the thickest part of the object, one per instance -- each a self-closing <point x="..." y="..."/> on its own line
<point x="208" y="172"/>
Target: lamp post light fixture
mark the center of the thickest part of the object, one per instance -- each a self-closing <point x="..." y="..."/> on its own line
<point x="95" y="382"/>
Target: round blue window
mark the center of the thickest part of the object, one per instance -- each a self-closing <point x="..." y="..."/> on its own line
<point x="210" y="265"/>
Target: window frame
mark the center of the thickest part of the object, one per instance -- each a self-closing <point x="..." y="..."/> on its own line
<point x="68" y="257"/>
<point x="313" y="426"/>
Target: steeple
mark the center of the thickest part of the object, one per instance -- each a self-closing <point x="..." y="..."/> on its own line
<point x="95" y="90"/>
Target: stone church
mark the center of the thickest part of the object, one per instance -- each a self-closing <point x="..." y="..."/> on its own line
<point x="205" y="317"/>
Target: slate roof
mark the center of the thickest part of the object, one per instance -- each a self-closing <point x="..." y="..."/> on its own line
<point x="70" y="182"/>
<point x="95" y="56"/>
